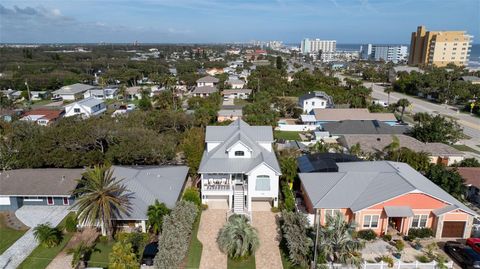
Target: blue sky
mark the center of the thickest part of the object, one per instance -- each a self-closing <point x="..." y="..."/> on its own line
<point x="210" y="21"/>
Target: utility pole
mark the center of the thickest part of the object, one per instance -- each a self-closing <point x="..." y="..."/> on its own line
<point x="28" y="93"/>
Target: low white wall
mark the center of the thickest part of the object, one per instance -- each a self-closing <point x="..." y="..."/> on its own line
<point x="296" y="128"/>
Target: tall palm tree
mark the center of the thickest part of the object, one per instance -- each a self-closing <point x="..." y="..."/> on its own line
<point x="388" y="90"/>
<point x="238" y="238"/>
<point x="403" y="103"/>
<point x="155" y="214"/>
<point x="336" y="241"/>
<point x="101" y="197"/>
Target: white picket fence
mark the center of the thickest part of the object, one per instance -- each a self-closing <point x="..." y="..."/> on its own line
<point x="397" y="265"/>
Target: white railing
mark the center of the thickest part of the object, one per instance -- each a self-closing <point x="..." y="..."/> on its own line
<point x="396" y="265"/>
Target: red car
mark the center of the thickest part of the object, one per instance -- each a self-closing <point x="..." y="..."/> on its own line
<point x="474" y="243"/>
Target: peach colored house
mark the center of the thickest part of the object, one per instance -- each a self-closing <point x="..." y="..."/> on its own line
<point x="387" y="197"/>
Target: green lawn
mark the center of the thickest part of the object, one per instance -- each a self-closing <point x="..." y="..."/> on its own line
<point x="195" y="249"/>
<point x="287" y="135"/>
<point x="466" y="148"/>
<point x="8" y="235"/>
<point x="42" y="256"/>
<point x="100" y="258"/>
<point x="242" y="264"/>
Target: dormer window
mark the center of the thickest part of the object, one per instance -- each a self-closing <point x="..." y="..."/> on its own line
<point x="239" y="153"/>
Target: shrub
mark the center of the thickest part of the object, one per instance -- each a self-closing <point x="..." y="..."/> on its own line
<point x="137" y="240"/>
<point x="387" y="237"/>
<point x="419" y="233"/>
<point x="295" y="233"/>
<point x="192" y="195"/>
<point x="237" y="238"/>
<point x="387" y="259"/>
<point x="423" y="259"/>
<point x="399" y="245"/>
<point x="47" y="235"/>
<point x="174" y="239"/>
<point x="122" y="256"/>
<point x="71" y="223"/>
<point x="289" y="200"/>
<point x="368" y="234"/>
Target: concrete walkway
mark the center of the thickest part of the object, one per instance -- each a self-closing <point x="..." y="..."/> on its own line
<point x="211" y="222"/>
<point x="30" y="216"/>
<point x="268" y="254"/>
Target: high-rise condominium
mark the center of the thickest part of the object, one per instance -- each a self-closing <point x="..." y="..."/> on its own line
<point x="439" y="48"/>
<point x="388" y="53"/>
<point x="315" y="45"/>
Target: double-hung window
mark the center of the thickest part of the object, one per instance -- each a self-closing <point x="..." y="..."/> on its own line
<point x="419" y="221"/>
<point x="370" y="221"/>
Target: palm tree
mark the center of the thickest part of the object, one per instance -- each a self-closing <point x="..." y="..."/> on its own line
<point x="238" y="238"/>
<point x="403" y="103"/>
<point x="388" y="90"/>
<point x="155" y="214"/>
<point x="394" y="146"/>
<point x="356" y="150"/>
<point x="81" y="254"/>
<point x="336" y="241"/>
<point x="47" y="235"/>
<point x="101" y="197"/>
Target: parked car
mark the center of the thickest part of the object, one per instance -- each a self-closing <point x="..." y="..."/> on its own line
<point x="131" y="107"/>
<point x="149" y="253"/>
<point x="474" y="243"/>
<point x="464" y="255"/>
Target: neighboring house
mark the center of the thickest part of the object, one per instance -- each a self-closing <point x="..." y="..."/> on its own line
<point x="342" y="114"/>
<point x="471" y="79"/>
<point x="147" y="184"/>
<point x="315" y="100"/>
<point x="72" y="92"/>
<point x="11" y="94"/>
<point x="236" y="83"/>
<point x="229" y="114"/>
<point x="237" y="93"/>
<point x="109" y="92"/>
<point x="471" y="175"/>
<point x="86" y="108"/>
<point x="387" y="197"/>
<point x="48" y="186"/>
<point x="208" y="81"/>
<point x="371" y="144"/>
<point x="133" y="93"/>
<point x="361" y="127"/>
<point x="43" y="117"/>
<point x="394" y="71"/>
<point x="239" y="167"/>
<point x="323" y="162"/>
<point x="204" y="91"/>
<point x="214" y="71"/>
<point x="38" y="95"/>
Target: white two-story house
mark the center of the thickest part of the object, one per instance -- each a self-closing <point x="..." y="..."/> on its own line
<point x="86" y="108"/>
<point x="239" y="166"/>
<point x="312" y="100"/>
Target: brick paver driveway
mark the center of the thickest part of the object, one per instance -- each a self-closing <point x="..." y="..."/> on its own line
<point x="30" y="216"/>
<point x="210" y="223"/>
<point x="268" y="254"/>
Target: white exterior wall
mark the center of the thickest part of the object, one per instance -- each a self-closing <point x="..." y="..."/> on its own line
<point x="239" y="147"/>
<point x="252" y="176"/>
<point x="312" y="103"/>
<point x="84" y="110"/>
<point x="296" y="127"/>
<point x="70" y="97"/>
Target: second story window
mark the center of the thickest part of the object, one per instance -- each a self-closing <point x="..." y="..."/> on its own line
<point x="239" y="153"/>
<point x="76" y="110"/>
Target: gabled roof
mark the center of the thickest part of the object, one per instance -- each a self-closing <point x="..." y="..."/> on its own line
<point x="39" y="182"/>
<point x="87" y="102"/>
<point x="217" y="160"/>
<point x="341" y="114"/>
<point x="208" y="79"/>
<point x="360" y="185"/>
<point x="471" y="175"/>
<point x="147" y="183"/>
<point x="74" y="89"/>
<point x="204" y="89"/>
<point x="319" y="94"/>
<point x="362" y="127"/>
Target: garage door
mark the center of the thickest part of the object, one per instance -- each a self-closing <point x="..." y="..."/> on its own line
<point x="453" y="228"/>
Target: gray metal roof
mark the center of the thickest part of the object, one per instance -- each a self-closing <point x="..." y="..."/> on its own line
<point x="359" y="185"/>
<point x="443" y="210"/>
<point x="147" y="183"/>
<point x="217" y="161"/>
<point x="89" y="102"/>
<point x="398" y="211"/>
<point x="205" y="89"/>
<point x="362" y="127"/>
<point x="39" y="182"/>
<point x="230" y="112"/>
<point x="208" y="79"/>
<point x="74" y="89"/>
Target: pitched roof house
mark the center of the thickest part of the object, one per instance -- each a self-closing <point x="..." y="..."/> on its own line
<point x="471" y="175"/>
<point x="72" y="92"/>
<point x="239" y="166"/>
<point x="86" y="108"/>
<point x="385" y="196"/>
<point x="361" y="127"/>
<point x="237" y="93"/>
<point x="315" y="100"/>
<point x="371" y="144"/>
<point x="342" y="114"/>
<point x="42" y="117"/>
<point x="207" y="81"/>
